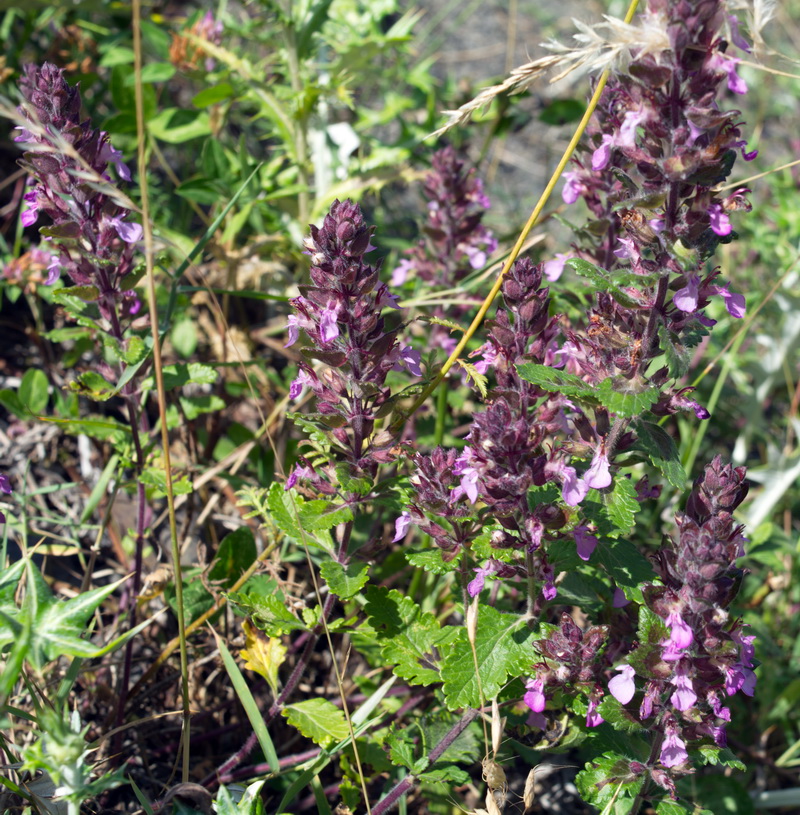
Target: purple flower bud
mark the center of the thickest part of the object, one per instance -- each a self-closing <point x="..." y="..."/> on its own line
<point x="601" y="155"/>
<point x="585" y="542"/>
<point x="535" y="698"/>
<point x="685" y="299"/>
<point x="622" y="686"/>
<point x="593" y="718"/>
<point x="673" y="750"/>
<point x="401" y="526"/>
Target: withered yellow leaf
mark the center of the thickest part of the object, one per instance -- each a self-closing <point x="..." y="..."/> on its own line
<point x="263" y="654"/>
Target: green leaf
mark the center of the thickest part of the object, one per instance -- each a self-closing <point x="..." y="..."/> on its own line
<point x="176" y="376"/>
<point x="626" y="397"/>
<point x="618" y="717"/>
<point x="675" y="353"/>
<point x="478" y="379"/>
<point x="269" y="613"/>
<point x="236" y="553"/>
<point x="82" y="293"/>
<point x="624" y="562"/>
<point x="153" y="72"/>
<point x="401" y="748"/>
<point x="662" y="452"/>
<point x="94" y="386"/>
<point x="156" y="479"/>
<point x="135" y="350"/>
<point x="621" y="505"/>
<point x="33" y="390"/>
<point x="194" y="406"/>
<point x="317" y="719"/>
<point x="344" y="581"/>
<point x="562" y="111"/>
<point x="431" y="560"/>
<point x="608" y="777"/>
<point x="599" y="277"/>
<point x="409" y="636"/>
<point x="249" y="804"/>
<point x="176" y="125"/>
<point x="668" y="807"/>
<point x="720" y="756"/>
<point x="183" y="337"/>
<point x="555" y="381"/>
<point x="319" y="515"/>
<point x="502" y="648"/>
<point x="213" y="95"/>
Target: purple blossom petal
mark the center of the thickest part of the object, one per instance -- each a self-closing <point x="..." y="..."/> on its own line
<point x="685" y="299"/>
<point x="130" y="233"/>
<point x="411" y="359"/>
<point x="553" y="269"/>
<point x="401" y="526"/>
<point x="469" y="475"/>
<point x="627" y="132"/>
<point x="734" y="303"/>
<point x="735" y="83"/>
<point x="549" y="591"/>
<point x="585" y="542"/>
<point x="593" y="718"/>
<point x="602" y="155"/>
<point x="108" y="153"/>
<point x="736" y="37"/>
<point x="385" y="298"/>
<point x="572" y="188"/>
<point x="293" y="329"/>
<point x="535" y="698"/>
<point x="622" y="686"/>
<point x="475" y="586"/>
<point x="303" y="379"/>
<point x="573" y="490"/>
<point x="400" y="273"/>
<point x="620" y="600"/>
<point x="684" y="696"/>
<point x="5" y="484"/>
<point x="300" y="471"/>
<point x="53" y="271"/>
<point x="679" y="632"/>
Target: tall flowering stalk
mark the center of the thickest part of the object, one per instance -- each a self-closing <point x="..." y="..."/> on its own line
<point x="93" y="239"/>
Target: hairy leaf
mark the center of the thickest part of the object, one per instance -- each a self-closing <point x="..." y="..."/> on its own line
<point x="318" y="719"/>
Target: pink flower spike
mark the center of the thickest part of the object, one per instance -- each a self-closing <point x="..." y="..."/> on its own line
<point x="598" y="476"/>
<point x="685" y="299"/>
<point x="585" y="542"/>
<point x="401" y="526"/>
<point x="535" y="698"/>
<point x="673" y="750"/>
<point x="622" y="686"/>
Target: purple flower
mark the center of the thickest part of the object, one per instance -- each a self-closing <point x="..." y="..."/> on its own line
<point x="673" y="750"/>
<point x="31" y="214"/>
<point x="735" y="83"/>
<point x="5" y="484"/>
<point x="720" y="223"/>
<point x="108" y="153"/>
<point x="736" y="38"/>
<point x="385" y="298"/>
<point x="593" y="718"/>
<point x="573" y="491"/>
<point x="469" y="476"/>
<point x="292" y="329"/>
<point x="475" y="586"/>
<point x="490" y="356"/>
<point x="622" y="686"/>
<point x="300" y="471"/>
<point x="685" y="299"/>
<point x="411" y="359"/>
<point x="598" y="476"/>
<point x="535" y="698"/>
<point x="303" y="378"/>
<point x="553" y="269"/>
<point x="684" y="696"/>
<point x="585" y="542"/>
<point x="401" y="271"/>
<point x="401" y="526"/>
<point x="620" y="600"/>
<point x="734" y="303"/>
<point x="328" y="328"/>
<point x="740" y="677"/>
<point x="573" y="188"/>
<point x="53" y="270"/>
<point x="602" y="154"/>
<point x="130" y="233"/>
<point x="679" y="632"/>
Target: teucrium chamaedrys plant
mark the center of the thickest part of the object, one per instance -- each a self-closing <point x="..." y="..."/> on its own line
<point x="542" y="486"/>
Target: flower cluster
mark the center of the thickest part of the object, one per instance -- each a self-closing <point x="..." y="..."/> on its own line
<point x="660" y="145"/>
<point x="91" y="234"/>
<point x="695" y="654"/>
<point x="341" y="315"/>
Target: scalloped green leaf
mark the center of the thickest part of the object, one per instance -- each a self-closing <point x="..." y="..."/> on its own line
<point x="94" y="386"/>
<point x="626" y="397"/>
<point x="319" y="720"/>
<point x="431" y="560"/>
<point x="621" y="504"/>
<point x="660" y="448"/>
<point x="410" y="638"/>
<point x="601" y="281"/>
<point x="502" y="647"/>
<point x="344" y="581"/>
<point x="269" y="613"/>
<point x="555" y="381"/>
<point x="624" y="562"/>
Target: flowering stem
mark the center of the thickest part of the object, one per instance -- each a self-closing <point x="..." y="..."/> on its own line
<point x="534" y="217"/>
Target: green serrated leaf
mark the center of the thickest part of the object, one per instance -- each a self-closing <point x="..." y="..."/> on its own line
<point x="555" y="381"/>
<point x="344" y="581"/>
<point x="626" y="397"/>
<point x="675" y="353"/>
<point x="720" y="756"/>
<point x="621" y="505"/>
<point x="624" y="562"/>
<point x="659" y="447"/>
<point x="478" y="379"/>
<point x="194" y="406"/>
<point x="442" y="321"/>
<point x="94" y="386"/>
<point x="667" y="807"/>
<point x="410" y="638"/>
<point x="86" y="294"/>
<point x="601" y="280"/>
<point x="319" y="720"/>
<point x="135" y="350"/>
<point x="502" y="648"/>
<point x="319" y="515"/>
<point x="607" y="778"/>
<point x="176" y="376"/>
<point x="269" y="613"/>
<point x="431" y="560"/>
<point x="618" y="717"/>
<point x="236" y="553"/>
<point x="401" y="748"/>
